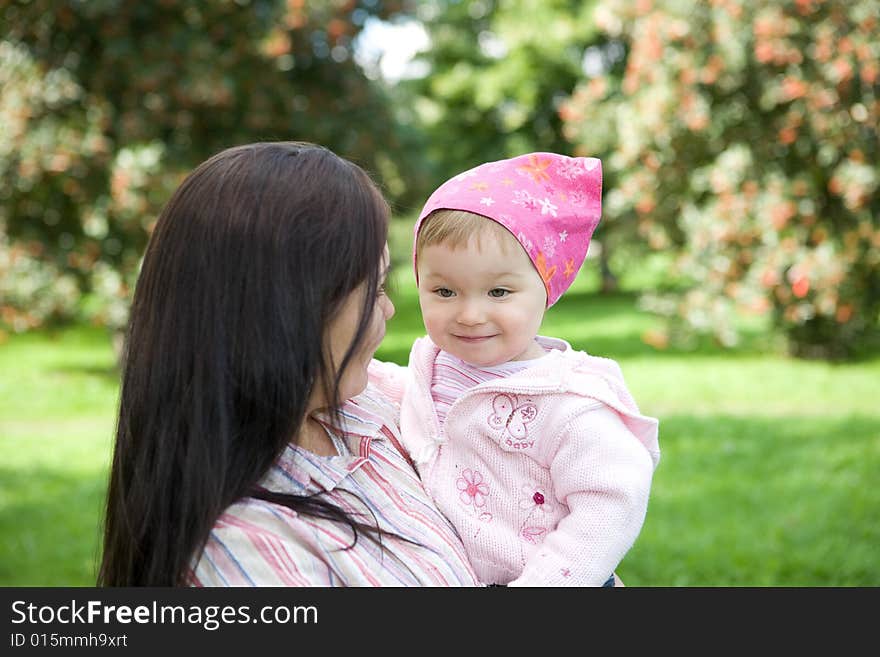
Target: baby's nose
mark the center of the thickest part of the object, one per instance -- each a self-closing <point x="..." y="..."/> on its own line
<point x="470" y="313"/>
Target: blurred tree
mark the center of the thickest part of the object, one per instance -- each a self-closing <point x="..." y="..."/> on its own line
<point x="106" y="104"/>
<point x="745" y="139"/>
<point x="495" y="74"/>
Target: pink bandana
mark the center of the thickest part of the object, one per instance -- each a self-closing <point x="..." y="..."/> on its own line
<point x="551" y="203"/>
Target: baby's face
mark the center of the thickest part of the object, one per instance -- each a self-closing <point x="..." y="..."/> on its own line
<point x="483" y="302"/>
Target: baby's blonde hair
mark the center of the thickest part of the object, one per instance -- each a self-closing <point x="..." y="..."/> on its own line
<point x="455" y="228"/>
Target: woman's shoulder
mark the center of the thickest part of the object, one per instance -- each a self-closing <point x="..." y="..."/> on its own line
<point x="258" y="543"/>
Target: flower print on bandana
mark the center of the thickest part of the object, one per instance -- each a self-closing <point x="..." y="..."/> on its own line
<point x="527" y="244"/>
<point x="545" y="271"/>
<point x="526" y="200"/>
<point x="549" y="246"/>
<point x="535" y="168"/>
<point x="577" y="198"/>
<point x="570" y="169"/>
<point x="547" y="207"/>
<point x="574" y="169"/>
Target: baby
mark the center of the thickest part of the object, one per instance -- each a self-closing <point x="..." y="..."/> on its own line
<point x="536" y="452"/>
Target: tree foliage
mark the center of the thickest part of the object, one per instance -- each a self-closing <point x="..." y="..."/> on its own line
<point x="495" y="75"/>
<point x="745" y="139"/>
<point x="106" y="104"/>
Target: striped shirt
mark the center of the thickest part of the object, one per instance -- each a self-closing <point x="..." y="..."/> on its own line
<point x="452" y="377"/>
<point x="257" y="543"/>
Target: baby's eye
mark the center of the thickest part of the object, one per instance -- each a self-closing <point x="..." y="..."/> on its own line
<point x="498" y="293"/>
<point x="444" y="292"/>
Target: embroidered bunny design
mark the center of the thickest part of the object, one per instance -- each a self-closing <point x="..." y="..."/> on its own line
<point x="512" y="417"/>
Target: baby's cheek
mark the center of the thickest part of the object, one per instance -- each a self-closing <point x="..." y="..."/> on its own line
<point x="434" y="329"/>
<point x="430" y="317"/>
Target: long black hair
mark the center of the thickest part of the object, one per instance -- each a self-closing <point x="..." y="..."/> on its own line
<point x="252" y="256"/>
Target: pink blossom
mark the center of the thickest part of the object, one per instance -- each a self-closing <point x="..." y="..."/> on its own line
<point x="473" y="489"/>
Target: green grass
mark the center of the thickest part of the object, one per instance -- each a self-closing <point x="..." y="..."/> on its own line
<point x="57" y="404"/>
<point x="768" y="475"/>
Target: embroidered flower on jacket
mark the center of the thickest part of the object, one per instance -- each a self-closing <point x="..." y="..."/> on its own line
<point x="535" y="498"/>
<point x="473" y="490"/>
<point x="537" y="504"/>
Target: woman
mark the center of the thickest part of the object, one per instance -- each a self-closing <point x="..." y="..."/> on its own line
<point x="250" y="449"/>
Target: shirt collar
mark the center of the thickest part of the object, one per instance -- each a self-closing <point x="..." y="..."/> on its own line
<point x="300" y="471"/>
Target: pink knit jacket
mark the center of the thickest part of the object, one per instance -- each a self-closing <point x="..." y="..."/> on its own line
<point x="545" y="474"/>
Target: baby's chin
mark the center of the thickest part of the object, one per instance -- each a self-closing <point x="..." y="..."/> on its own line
<point x="475" y="362"/>
<point x="499" y="360"/>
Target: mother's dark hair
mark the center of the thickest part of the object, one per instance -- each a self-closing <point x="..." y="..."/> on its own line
<point x="250" y="259"/>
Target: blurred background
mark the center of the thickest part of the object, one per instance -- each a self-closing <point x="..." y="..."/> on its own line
<point x="735" y="275"/>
